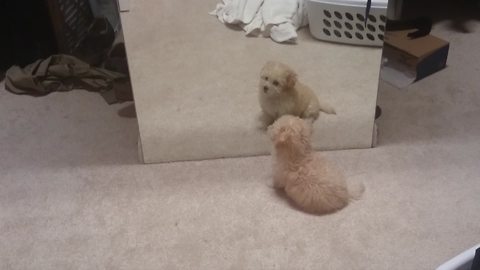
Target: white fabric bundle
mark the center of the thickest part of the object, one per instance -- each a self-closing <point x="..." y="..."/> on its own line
<point x="278" y="19"/>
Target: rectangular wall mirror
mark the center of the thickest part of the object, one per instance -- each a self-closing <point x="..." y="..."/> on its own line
<point x="196" y="79"/>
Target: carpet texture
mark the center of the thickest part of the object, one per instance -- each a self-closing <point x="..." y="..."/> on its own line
<point x="195" y="83"/>
<point x="72" y="195"/>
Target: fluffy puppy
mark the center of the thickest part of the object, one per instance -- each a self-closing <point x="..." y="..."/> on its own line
<point x="313" y="183"/>
<point x="281" y="93"/>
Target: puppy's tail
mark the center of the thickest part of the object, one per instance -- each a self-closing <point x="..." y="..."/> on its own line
<point x="356" y="190"/>
<point x="327" y="108"/>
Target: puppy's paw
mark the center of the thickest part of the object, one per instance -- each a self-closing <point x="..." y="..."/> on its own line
<point x="311" y="113"/>
<point x="263" y="122"/>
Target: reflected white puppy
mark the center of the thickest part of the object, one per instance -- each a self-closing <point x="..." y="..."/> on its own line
<point x="280" y="93"/>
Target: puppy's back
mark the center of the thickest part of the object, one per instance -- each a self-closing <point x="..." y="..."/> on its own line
<point x="321" y="191"/>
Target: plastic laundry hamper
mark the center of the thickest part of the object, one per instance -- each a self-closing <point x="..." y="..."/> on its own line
<point x="344" y="21"/>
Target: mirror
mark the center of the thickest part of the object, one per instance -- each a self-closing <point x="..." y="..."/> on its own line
<point x="196" y="80"/>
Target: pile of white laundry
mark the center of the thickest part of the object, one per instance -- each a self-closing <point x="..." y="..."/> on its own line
<point x="278" y="19"/>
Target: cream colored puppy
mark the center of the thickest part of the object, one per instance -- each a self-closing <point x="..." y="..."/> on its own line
<point x="311" y="181"/>
<point x="280" y="93"/>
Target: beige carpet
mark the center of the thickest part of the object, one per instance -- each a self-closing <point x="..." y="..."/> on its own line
<point x="72" y="195"/>
<point x="195" y="83"/>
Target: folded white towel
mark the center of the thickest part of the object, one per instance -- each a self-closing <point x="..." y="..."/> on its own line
<point x="276" y="19"/>
<point x="278" y="12"/>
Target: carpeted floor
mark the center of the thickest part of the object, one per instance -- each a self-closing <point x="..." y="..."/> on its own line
<point x="72" y="195"/>
<point x="195" y="83"/>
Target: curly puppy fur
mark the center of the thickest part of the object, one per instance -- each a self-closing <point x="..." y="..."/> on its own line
<point x="280" y="93"/>
<point x="313" y="183"/>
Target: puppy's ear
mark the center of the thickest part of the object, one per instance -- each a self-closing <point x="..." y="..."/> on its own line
<point x="306" y="131"/>
<point x="291" y="79"/>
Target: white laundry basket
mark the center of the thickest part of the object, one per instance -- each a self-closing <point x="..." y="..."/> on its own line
<point x="344" y="21"/>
